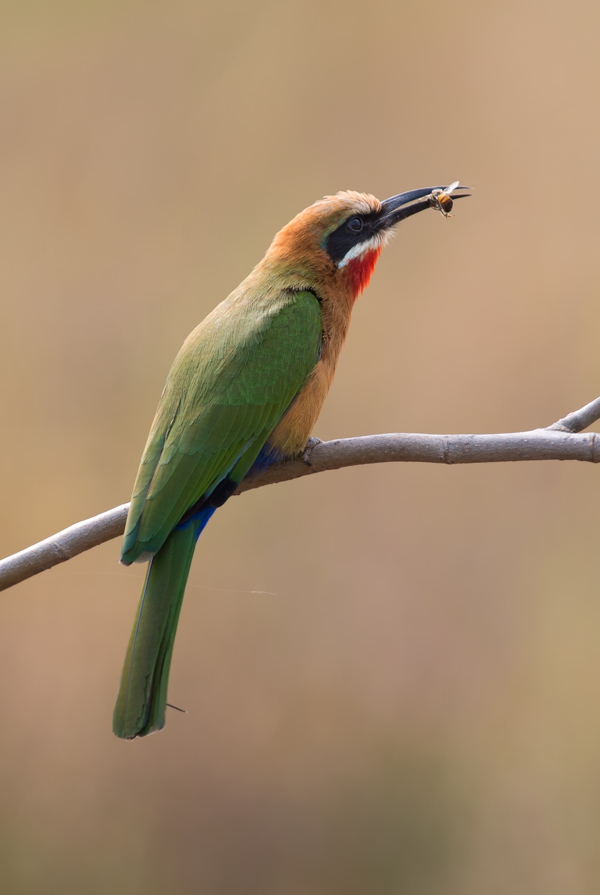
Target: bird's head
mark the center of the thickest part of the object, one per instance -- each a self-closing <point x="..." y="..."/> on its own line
<point x="338" y="239"/>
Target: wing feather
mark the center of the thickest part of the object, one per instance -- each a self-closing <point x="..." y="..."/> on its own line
<point x="229" y="386"/>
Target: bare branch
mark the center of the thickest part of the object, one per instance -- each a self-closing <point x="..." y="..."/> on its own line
<point x="539" y="444"/>
<point x="558" y="442"/>
<point x="63" y="546"/>
<point x="579" y="419"/>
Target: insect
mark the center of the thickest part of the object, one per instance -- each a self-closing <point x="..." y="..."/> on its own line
<point x="441" y="200"/>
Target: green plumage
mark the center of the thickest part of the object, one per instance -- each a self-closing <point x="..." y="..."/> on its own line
<point x="229" y="386"/>
<point x="142" y="698"/>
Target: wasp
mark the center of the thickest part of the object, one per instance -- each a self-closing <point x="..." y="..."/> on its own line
<point x="441" y="199"/>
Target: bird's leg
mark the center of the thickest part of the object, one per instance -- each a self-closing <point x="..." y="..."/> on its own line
<point x="310" y="444"/>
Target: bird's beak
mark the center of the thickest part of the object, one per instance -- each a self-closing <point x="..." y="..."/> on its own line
<point x="404" y="205"/>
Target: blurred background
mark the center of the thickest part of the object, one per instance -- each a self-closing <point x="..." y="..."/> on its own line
<point x="391" y="674"/>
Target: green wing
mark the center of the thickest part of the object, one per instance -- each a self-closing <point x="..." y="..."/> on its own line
<point x="229" y="386"/>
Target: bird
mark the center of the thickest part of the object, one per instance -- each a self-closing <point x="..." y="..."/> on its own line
<point x="244" y="391"/>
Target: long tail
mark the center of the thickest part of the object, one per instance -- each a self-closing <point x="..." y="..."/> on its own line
<point x="142" y="699"/>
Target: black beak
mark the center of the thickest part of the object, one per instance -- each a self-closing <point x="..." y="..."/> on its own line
<point x="402" y="206"/>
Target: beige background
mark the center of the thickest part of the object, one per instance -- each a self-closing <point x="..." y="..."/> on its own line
<point x="391" y="673"/>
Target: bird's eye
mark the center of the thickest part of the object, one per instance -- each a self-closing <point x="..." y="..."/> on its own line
<point x="355" y="224"/>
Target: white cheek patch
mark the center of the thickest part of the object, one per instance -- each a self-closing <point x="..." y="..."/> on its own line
<point x="357" y="251"/>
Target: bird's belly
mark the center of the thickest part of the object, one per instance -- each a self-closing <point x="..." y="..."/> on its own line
<point x="291" y="434"/>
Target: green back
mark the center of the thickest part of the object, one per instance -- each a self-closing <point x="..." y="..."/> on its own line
<point x="229" y="386"/>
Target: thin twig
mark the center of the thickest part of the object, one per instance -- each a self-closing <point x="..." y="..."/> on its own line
<point x="559" y="441"/>
<point x="579" y="419"/>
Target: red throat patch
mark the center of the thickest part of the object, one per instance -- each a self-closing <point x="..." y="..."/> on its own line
<point x="360" y="270"/>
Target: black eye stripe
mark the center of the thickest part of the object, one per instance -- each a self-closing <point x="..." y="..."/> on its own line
<point x="349" y="234"/>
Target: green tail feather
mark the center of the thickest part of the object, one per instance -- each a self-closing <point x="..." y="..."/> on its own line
<point x="142" y="699"/>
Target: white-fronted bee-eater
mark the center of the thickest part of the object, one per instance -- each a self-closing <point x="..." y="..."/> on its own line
<point x="244" y="391"/>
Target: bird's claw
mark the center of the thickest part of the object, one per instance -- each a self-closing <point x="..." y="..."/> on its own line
<point x="310" y="444"/>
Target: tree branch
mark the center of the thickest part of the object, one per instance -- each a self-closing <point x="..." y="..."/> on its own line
<point x="559" y="441"/>
<point x="579" y="419"/>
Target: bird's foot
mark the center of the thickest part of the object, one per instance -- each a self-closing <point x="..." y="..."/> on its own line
<point x="310" y="444"/>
